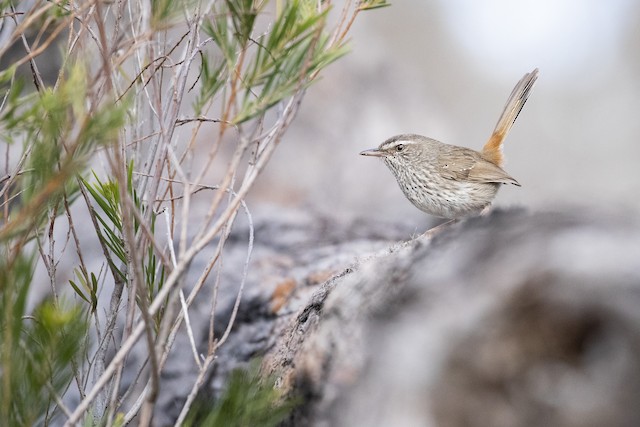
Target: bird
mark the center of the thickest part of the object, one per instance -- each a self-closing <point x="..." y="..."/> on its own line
<point x="449" y="181"/>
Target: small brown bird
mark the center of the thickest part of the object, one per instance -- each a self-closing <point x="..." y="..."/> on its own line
<point x="449" y="181"/>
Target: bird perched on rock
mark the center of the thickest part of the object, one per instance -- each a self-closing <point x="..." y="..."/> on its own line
<point x="450" y="181"/>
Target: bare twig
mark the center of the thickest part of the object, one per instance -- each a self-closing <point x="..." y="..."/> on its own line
<point x="187" y="323"/>
<point x="130" y="55"/>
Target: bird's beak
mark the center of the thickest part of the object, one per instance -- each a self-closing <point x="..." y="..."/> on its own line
<point x="373" y="152"/>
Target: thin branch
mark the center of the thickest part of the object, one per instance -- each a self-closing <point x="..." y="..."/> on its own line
<point x="37" y="78"/>
<point x="201" y="119"/>
<point x="202" y="375"/>
<point x="187" y="323"/>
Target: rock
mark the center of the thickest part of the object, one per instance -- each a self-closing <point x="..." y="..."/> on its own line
<point x="514" y="319"/>
<point x="294" y="253"/>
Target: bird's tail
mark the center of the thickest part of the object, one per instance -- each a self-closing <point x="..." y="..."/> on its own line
<point x="492" y="150"/>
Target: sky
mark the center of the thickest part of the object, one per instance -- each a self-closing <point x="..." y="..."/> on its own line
<point x="562" y="35"/>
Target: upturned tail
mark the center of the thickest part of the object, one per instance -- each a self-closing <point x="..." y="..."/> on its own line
<point x="492" y="150"/>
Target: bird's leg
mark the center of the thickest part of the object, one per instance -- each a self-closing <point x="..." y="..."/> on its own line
<point x="486" y="210"/>
<point x="438" y="228"/>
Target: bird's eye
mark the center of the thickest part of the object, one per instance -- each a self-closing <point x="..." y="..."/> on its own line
<point x="399" y="147"/>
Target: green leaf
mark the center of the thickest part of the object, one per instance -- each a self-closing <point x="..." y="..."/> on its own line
<point x="218" y="30"/>
<point x="94" y="292"/>
<point x="373" y="4"/>
<point x="212" y="78"/>
<point x="243" y="15"/>
<point x="164" y="13"/>
<point x="78" y="291"/>
<point x="88" y="288"/>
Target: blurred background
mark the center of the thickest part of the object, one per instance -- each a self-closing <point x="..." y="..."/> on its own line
<point x="444" y="69"/>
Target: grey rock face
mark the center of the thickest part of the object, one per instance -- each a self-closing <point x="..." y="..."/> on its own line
<point x="294" y="253"/>
<point x="514" y="319"/>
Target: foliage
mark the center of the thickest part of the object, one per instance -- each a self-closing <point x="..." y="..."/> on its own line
<point x="249" y="399"/>
<point x="101" y="160"/>
<point x="38" y="351"/>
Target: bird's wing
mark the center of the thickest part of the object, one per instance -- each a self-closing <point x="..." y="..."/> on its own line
<point x="485" y="171"/>
<point x="468" y="165"/>
<point x="456" y="164"/>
